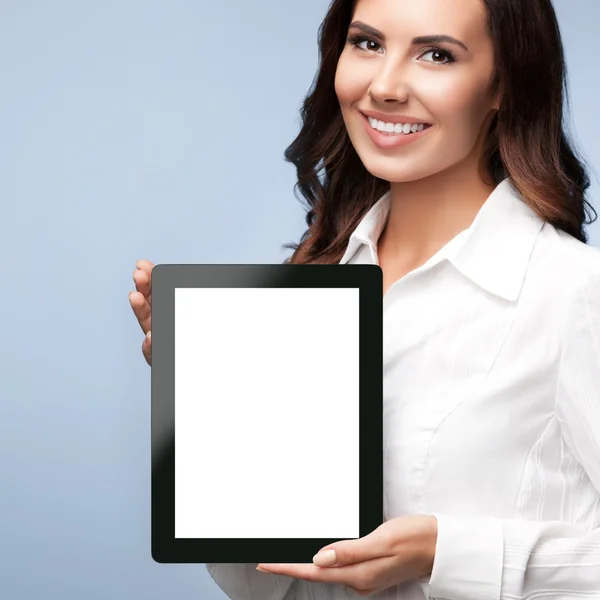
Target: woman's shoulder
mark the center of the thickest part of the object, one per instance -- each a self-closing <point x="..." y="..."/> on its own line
<point x="562" y="280"/>
<point x="566" y="260"/>
<point x="560" y="302"/>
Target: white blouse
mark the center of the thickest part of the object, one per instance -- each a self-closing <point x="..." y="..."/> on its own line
<point x="491" y="412"/>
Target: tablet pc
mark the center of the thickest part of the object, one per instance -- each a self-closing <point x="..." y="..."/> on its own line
<point x="267" y="405"/>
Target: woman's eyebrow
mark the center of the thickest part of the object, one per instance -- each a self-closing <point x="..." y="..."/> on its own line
<point x="420" y="40"/>
<point x="367" y="29"/>
<point x="438" y="39"/>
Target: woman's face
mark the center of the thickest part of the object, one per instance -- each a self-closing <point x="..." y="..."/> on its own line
<point x="413" y="85"/>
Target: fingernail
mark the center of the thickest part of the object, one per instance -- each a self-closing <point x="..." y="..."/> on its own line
<point x="129" y="295"/>
<point x="148" y="335"/>
<point x="325" y="558"/>
<point x="261" y="570"/>
<point x="137" y="264"/>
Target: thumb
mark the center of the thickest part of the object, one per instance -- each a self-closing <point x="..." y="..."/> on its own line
<point x="351" y="551"/>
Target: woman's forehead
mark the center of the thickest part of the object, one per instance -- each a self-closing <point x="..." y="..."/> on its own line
<point x="460" y="18"/>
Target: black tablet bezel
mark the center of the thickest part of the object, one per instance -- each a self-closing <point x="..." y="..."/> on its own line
<point x="166" y="548"/>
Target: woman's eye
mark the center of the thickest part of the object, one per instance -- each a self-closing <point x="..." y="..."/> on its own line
<point x="440" y="57"/>
<point x="369" y="45"/>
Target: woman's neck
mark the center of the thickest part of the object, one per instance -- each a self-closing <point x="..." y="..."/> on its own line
<point x="426" y="214"/>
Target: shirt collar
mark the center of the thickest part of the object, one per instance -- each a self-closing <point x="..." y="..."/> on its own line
<point x="493" y="252"/>
<point x="370" y="228"/>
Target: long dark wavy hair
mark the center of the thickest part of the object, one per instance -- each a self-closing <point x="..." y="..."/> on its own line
<point x="526" y="140"/>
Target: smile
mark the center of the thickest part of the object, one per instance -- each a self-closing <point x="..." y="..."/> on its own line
<point x="391" y="134"/>
<point x="402" y="128"/>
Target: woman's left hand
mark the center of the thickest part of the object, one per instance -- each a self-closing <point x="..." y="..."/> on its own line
<point x="400" y="550"/>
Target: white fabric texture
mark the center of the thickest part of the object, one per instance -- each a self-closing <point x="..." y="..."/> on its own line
<point x="491" y="412"/>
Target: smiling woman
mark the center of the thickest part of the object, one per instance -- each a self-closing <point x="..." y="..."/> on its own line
<point x="486" y="75"/>
<point x="432" y="145"/>
<point x="449" y="86"/>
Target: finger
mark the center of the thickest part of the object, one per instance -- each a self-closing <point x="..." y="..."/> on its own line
<point x="142" y="281"/>
<point x="306" y="571"/>
<point x="146" y="266"/>
<point x="147" y="348"/>
<point x="348" y="552"/>
<point x="142" y="310"/>
<point x="357" y="576"/>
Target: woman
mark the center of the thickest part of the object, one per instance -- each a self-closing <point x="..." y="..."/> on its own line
<point x="432" y="145"/>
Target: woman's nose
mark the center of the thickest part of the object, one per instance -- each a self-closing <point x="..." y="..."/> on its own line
<point x="389" y="85"/>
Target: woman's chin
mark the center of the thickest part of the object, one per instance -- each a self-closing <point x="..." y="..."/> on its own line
<point x="395" y="173"/>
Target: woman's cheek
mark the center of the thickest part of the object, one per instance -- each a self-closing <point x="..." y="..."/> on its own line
<point x="451" y="101"/>
<point x="350" y="86"/>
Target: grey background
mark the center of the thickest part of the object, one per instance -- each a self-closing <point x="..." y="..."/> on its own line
<point x="139" y="129"/>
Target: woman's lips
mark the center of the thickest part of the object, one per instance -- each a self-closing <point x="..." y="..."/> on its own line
<point x="386" y="140"/>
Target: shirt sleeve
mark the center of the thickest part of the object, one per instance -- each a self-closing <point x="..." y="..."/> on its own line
<point x="485" y="558"/>
<point x="243" y="582"/>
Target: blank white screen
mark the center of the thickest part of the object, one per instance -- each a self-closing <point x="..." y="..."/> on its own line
<point x="266" y="412"/>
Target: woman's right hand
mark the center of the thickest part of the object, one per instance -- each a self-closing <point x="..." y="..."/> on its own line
<point x="141" y="302"/>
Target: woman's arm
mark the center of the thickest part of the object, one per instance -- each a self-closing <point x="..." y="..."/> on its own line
<point x="244" y="582"/>
<point x="494" y="559"/>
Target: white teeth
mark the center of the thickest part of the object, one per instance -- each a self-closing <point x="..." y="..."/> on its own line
<point x="403" y="128"/>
